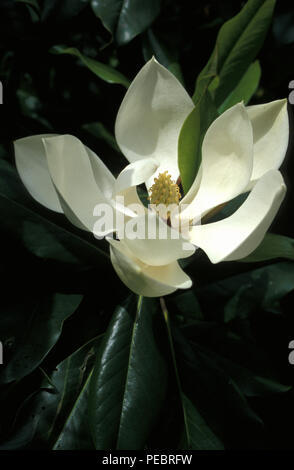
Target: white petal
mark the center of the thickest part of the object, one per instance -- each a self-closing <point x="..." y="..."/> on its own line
<point x="238" y="235"/>
<point x="72" y="173"/>
<point x="135" y="174"/>
<point x="31" y="164"/>
<point x="151" y="115"/>
<point x="104" y="178"/>
<point x="156" y="243"/>
<point x="270" y="125"/>
<point x="150" y="281"/>
<point x="227" y="161"/>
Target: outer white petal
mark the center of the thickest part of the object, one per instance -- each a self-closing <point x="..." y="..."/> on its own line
<point x="104" y="178"/>
<point x="72" y="173"/>
<point x="31" y="164"/>
<point x="238" y="235"/>
<point x="156" y="243"/>
<point x="150" y="281"/>
<point x="270" y="123"/>
<point x="135" y="173"/>
<point x="227" y="161"/>
<point x="151" y="115"/>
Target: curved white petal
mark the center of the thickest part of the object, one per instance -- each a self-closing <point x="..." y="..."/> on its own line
<point x="31" y="164"/>
<point x="238" y="235"/>
<point x="135" y="173"/>
<point x="151" y="115"/>
<point x="72" y="173"/>
<point x="270" y="123"/>
<point x="227" y="161"/>
<point x="104" y="178"/>
<point x="150" y="281"/>
<point x="152" y="241"/>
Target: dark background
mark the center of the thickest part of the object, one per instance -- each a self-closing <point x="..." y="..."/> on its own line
<point x="44" y="92"/>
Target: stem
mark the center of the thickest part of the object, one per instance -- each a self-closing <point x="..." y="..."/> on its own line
<point x="166" y="319"/>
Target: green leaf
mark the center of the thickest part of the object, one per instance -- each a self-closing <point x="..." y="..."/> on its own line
<point x="33" y="326"/>
<point x="103" y="71"/>
<point x="199" y="435"/>
<point x="125" y="19"/>
<point x="75" y="434"/>
<point x="272" y="246"/>
<point x="238" y="42"/>
<point x="129" y="381"/>
<point x="191" y="138"/>
<point x="65" y="423"/>
<point x="42" y="237"/>
<point x="55" y="415"/>
<point x="245" y="88"/>
<point x="187" y="304"/>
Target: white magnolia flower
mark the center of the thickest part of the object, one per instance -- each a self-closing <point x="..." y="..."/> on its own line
<point x="242" y="151"/>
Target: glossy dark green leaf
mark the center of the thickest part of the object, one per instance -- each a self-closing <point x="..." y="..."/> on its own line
<point x="34" y="326"/>
<point x="187" y="304"/>
<point x="245" y="89"/>
<point x="191" y="138"/>
<point x="103" y="71"/>
<point x="55" y="415"/>
<point x="238" y="42"/>
<point x="64" y="422"/>
<point x="272" y="246"/>
<point x="199" y="435"/>
<point x="125" y="19"/>
<point x="76" y="433"/>
<point x="129" y="383"/>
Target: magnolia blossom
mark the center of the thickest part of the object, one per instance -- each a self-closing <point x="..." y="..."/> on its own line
<point x="242" y="151"/>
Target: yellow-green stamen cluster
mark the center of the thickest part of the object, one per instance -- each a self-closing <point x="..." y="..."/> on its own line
<point x="164" y="190"/>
